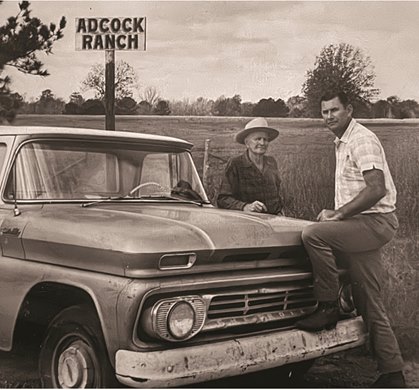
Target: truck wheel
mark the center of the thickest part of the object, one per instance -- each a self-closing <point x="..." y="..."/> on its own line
<point x="73" y="353"/>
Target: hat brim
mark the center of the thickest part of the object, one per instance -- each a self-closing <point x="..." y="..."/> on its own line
<point x="241" y="135"/>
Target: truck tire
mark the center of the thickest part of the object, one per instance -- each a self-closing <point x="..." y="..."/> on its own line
<point x="73" y="353"/>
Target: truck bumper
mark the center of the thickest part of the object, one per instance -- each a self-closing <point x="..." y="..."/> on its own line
<point x="181" y="366"/>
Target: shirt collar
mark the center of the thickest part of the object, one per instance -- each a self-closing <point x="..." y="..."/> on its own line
<point x="345" y="137"/>
<point x="247" y="162"/>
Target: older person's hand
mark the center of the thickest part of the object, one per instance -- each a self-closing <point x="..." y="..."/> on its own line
<point x="329" y="215"/>
<point x="256" y="207"/>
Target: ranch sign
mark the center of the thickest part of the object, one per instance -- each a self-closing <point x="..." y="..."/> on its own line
<point x="111" y="33"/>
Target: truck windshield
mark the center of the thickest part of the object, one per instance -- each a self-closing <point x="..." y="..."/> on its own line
<point x="80" y="170"/>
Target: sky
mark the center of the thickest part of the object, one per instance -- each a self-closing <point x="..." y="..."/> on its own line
<point x="252" y="48"/>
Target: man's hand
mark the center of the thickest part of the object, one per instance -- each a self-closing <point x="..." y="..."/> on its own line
<point x="256" y="207"/>
<point x="329" y="215"/>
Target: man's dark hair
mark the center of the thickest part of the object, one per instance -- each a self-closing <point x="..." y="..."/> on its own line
<point x="343" y="98"/>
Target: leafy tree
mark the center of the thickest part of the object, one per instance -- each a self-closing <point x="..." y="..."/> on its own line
<point x="393" y="100"/>
<point x="93" y="107"/>
<point x="363" y="109"/>
<point x="74" y="106"/>
<point x="202" y="106"/>
<point x="381" y="109"/>
<point x="162" y="108"/>
<point x="125" y="79"/>
<point x="402" y="109"/>
<point x="233" y="107"/>
<point x="8" y="104"/>
<point x="227" y="106"/>
<point x="46" y="96"/>
<point x="77" y="98"/>
<point x="409" y="109"/>
<point x="18" y="98"/>
<point x="72" y="109"/>
<point x="27" y="107"/>
<point x="297" y="106"/>
<point x="271" y="108"/>
<point x="340" y="67"/>
<point x="220" y="106"/>
<point x="247" y="108"/>
<point x="22" y="38"/>
<point x="126" y="106"/>
<point x="49" y="104"/>
<point x="144" y="108"/>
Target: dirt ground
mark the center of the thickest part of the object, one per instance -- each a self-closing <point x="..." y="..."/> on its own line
<point x="354" y="369"/>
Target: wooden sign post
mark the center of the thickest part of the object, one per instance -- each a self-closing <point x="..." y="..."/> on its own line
<point x="110" y="89"/>
<point x="110" y="34"/>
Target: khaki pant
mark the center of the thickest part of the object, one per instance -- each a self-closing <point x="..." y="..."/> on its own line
<point x="359" y="240"/>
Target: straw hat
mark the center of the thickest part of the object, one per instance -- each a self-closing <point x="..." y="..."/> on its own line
<point x="257" y="124"/>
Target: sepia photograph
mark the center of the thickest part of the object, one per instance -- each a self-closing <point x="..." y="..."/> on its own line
<point x="209" y="194"/>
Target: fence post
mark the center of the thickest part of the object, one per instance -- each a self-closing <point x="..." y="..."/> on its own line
<point x="205" y="168"/>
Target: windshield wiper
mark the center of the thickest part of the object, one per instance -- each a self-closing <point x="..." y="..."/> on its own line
<point x="199" y="203"/>
<point x="103" y="200"/>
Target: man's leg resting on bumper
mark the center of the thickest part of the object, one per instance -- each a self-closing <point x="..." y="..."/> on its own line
<point x="360" y="238"/>
<point x="321" y="241"/>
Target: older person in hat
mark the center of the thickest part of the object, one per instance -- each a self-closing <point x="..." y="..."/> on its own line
<point x="251" y="181"/>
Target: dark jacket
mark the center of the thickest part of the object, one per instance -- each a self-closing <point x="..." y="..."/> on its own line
<point x="244" y="183"/>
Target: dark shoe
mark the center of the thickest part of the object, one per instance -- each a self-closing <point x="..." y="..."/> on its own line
<point x="391" y="380"/>
<point x="324" y="317"/>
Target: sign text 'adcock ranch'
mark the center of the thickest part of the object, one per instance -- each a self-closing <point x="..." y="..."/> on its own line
<point x="110" y="33"/>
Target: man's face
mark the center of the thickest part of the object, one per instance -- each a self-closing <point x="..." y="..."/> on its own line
<point x="257" y="142"/>
<point x="336" y="116"/>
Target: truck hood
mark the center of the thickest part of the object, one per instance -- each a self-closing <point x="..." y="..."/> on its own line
<point x="129" y="238"/>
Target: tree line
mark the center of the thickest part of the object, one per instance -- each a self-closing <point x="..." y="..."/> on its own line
<point x="294" y="107"/>
<point x="340" y="67"/>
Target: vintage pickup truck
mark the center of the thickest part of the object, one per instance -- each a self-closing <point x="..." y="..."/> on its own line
<point x="115" y="261"/>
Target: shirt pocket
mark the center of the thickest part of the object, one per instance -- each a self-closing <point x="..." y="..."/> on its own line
<point x="350" y="170"/>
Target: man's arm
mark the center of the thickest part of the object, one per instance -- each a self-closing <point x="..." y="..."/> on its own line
<point x="229" y="185"/>
<point x="375" y="190"/>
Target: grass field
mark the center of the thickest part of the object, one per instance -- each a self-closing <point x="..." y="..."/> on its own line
<point x="304" y="151"/>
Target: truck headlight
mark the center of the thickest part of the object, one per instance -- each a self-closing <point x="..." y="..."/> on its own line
<point x="181" y="319"/>
<point x="174" y="319"/>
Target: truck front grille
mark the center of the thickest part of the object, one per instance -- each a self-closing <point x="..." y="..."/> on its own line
<point x="264" y="300"/>
<point x="268" y="303"/>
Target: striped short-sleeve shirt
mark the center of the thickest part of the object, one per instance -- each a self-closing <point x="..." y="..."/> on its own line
<point x="357" y="151"/>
